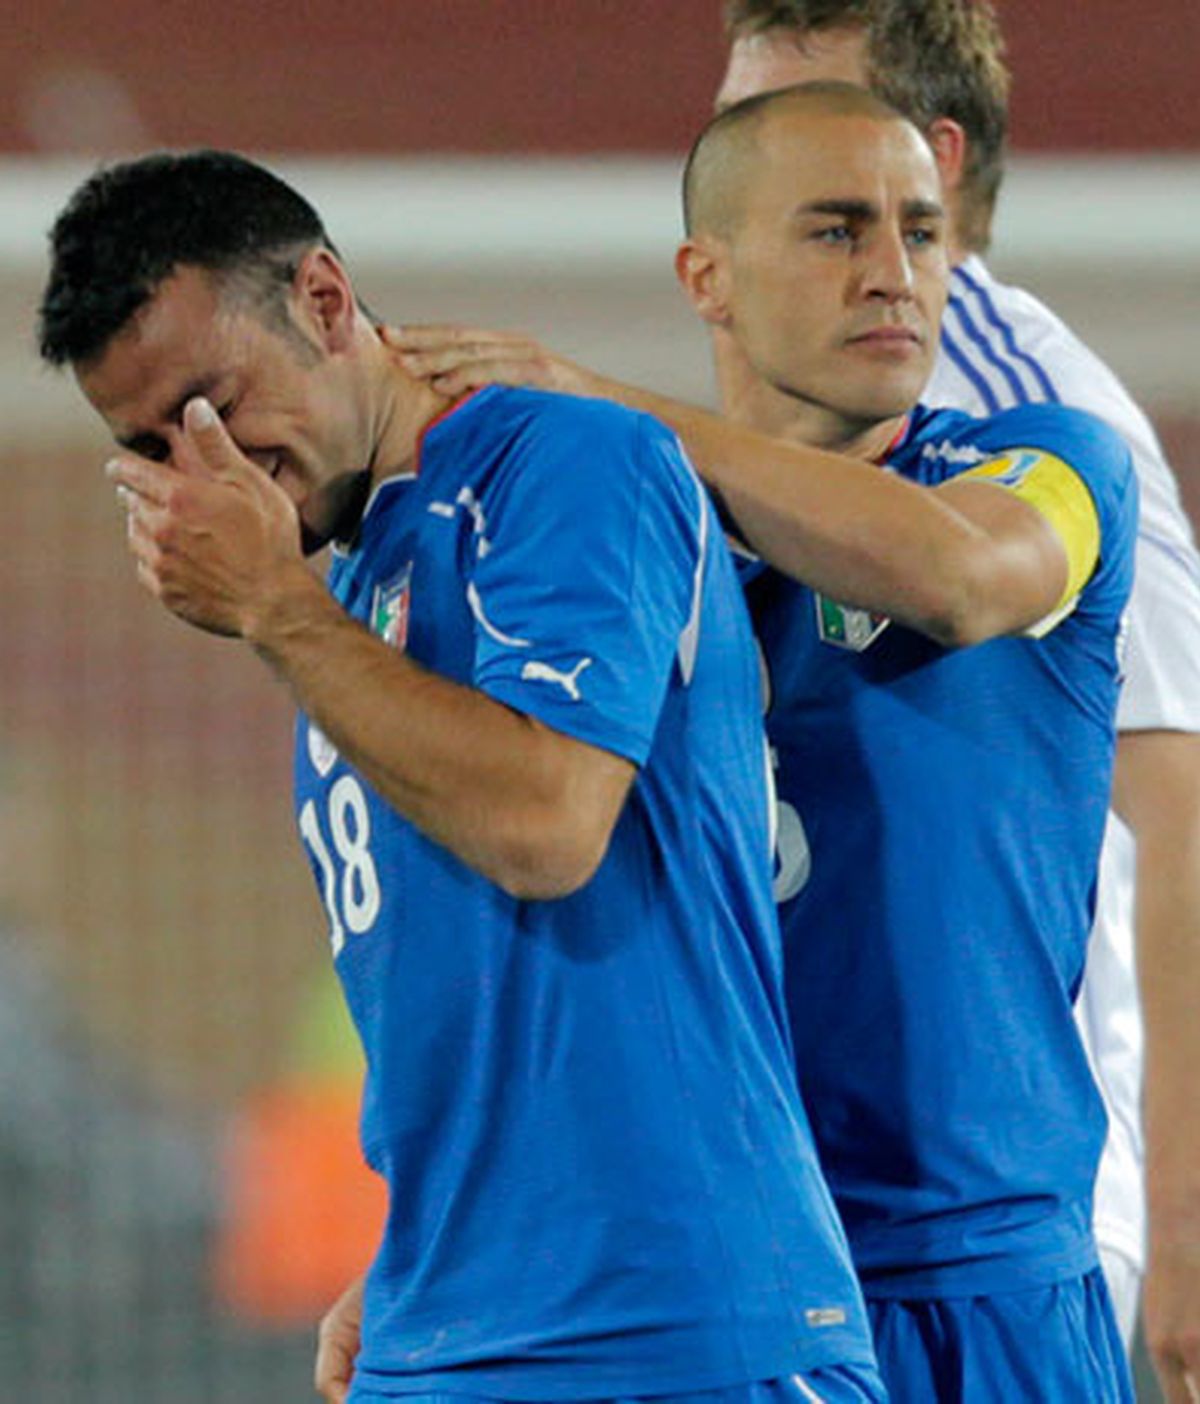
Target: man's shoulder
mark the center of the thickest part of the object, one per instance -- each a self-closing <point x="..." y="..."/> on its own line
<point x="1004" y="323"/>
<point x="517" y="430"/>
<point x="504" y="409"/>
<point x="587" y="461"/>
<point x="948" y="442"/>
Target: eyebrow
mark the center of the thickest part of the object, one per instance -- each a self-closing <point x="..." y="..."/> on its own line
<point x="174" y="414"/>
<point x="864" y="209"/>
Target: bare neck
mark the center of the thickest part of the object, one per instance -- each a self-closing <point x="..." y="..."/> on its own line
<point x="400" y="408"/>
<point x="748" y="400"/>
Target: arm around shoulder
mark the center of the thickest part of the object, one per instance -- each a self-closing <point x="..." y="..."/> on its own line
<point x="959" y="563"/>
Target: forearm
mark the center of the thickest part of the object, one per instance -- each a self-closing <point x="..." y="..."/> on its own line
<point x="484" y="781"/>
<point x="960" y="563"/>
<point x="1168" y="935"/>
<point x="529" y="808"/>
<point x="865" y="538"/>
<point x="1157" y="792"/>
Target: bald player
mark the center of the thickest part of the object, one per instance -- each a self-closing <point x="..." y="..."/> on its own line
<point x="941" y="648"/>
<point x="941" y="63"/>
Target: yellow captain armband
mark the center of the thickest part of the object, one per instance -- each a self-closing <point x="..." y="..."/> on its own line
<point x="1057" y="491"/>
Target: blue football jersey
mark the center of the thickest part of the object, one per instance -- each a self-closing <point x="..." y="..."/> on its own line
<point x="940" y="822"/>
<point x="601" y="1178"/>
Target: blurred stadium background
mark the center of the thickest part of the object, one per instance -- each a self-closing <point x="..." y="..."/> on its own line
<point x="179" y="1189"/>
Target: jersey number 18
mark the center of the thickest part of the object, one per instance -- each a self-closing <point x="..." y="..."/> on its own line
<point x="352" y="897"/>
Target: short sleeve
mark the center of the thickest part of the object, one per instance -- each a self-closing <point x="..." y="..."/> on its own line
<point x="586" y="577"/>
<point x="1099" y="458"/>
<point x="1162" y="684"/>
<point x="1054" y="490"/>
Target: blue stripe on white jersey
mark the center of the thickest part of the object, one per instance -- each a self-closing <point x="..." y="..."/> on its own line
<point x="1002" y="375"/>
<point x="962" y="363"/>
<point x="963" y="284"/>
<point x="1180" y="555"/>
<point x="987" y="357"/>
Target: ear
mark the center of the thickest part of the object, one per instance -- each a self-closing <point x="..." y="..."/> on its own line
<point x="949" y="144"/>
<point x="325" y="298"/>
<point x="702" y="267"/>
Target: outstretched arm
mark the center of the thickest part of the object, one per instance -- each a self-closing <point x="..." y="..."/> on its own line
<point x="218" y="543"/>
<point x="961" y="563"/>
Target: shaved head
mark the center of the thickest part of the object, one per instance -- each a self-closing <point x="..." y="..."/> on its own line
<point x="723" y="157"/>
<point x="816" y="253"/>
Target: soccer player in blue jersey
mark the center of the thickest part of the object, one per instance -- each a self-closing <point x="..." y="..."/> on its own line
<point x="531" y="781"/>
<point x="942" y="697"/>
<point x="941" y="63"/>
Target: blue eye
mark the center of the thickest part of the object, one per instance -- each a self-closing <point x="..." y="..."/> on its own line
<point x="835" y="234"/>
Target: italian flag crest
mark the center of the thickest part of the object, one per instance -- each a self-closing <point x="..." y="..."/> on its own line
<point x="390" y="609"/>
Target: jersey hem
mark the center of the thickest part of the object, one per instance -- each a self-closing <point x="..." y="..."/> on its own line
<point x="981" y="1279"/>
<point x="598" y="1383"/>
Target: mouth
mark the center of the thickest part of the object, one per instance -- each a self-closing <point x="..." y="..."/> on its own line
<point x="887" y="337"/>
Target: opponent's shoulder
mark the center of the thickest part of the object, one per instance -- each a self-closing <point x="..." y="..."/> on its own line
<point x="1000" y="325"/>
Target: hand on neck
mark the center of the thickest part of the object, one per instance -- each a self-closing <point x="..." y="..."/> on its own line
<point x="402" y="408"/>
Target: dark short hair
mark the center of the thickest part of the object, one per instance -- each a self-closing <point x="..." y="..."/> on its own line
<point x="128" y="227"/>
<point x="929" y="59"/>
<point x="754" y="16"/>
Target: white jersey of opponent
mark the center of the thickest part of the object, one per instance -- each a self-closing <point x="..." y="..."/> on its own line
<point x="1002" y="347"/>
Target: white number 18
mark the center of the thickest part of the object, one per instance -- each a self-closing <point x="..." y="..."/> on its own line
<point x="352" y="904"/>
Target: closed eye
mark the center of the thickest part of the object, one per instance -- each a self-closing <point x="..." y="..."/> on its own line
<point x="148" y="446"/>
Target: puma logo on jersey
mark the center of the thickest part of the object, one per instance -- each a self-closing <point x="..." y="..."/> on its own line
<point x="825" y="1316"/>
<point x="543" y="672"/>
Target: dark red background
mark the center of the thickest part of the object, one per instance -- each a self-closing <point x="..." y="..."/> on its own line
<point x="536" y="75"/>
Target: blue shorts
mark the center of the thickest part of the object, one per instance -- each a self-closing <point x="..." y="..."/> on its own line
<point x="832" y="1384"/>
<point x="1045" y="1345"/>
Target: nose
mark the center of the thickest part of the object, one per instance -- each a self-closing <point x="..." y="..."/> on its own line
<point x="886" y="269"/>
